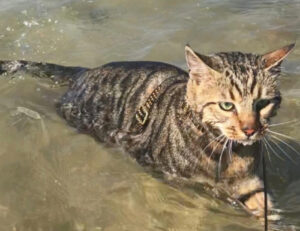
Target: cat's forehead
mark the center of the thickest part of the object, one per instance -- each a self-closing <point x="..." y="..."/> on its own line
<point x="244" y="75"/>
<point x="238" y="62"/>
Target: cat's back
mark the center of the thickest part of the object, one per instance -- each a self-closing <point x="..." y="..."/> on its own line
<point x="139" y="69"/>
<point x="121" y="75"/>
<point x="109" y="96"/>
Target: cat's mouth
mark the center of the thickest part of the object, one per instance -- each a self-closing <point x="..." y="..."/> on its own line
<point x="250" y="140"/>
<point x="241" y="137"/>
<point x="246" y="142"/>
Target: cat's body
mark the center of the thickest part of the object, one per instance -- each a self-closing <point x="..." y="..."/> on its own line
<point x="161" y="116"/>
<point x="105" y="102"/>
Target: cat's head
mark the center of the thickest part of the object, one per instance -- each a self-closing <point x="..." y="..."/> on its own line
<point x="235" y="93"/>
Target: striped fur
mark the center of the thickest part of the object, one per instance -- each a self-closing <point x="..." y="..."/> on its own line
<point x="170" y="119"/>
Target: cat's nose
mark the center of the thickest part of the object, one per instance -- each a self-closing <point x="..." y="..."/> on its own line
<point x="248" y="131"/>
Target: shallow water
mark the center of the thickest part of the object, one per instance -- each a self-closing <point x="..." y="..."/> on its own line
<point x="52" y="178"/>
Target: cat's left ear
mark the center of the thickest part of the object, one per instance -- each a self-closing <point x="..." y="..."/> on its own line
<point x="274" y="58"/>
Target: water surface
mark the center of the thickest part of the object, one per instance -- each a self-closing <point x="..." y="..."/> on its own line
<point x="52" y="178"/>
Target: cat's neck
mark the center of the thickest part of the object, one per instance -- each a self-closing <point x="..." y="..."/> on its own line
<point x="192" y="119"/>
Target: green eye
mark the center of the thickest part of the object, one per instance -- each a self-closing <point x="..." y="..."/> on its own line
<point x="226" y="106"/>
<point x="262" y="104"/>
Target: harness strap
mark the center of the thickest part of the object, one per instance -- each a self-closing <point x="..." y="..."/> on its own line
<point x="142" y="115"/>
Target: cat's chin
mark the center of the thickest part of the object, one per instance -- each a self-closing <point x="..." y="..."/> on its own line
<point x="246" y="142"/>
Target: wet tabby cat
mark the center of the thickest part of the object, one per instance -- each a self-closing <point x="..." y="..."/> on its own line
<point x="202" y="124"/>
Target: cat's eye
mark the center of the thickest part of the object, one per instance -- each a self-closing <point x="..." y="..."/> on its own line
<point x="262" y="104"/>
<point x="226" y="106"/>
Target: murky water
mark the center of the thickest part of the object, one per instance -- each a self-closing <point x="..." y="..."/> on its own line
<point x="52" y="178"/>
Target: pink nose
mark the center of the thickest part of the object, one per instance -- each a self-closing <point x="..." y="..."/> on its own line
<point x="249" y="131"/>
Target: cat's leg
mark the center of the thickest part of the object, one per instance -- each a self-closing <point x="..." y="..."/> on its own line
<point x="250" y="193"/>
<point x="256" y="204"/>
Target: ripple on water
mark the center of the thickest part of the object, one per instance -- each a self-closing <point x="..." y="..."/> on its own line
<point x="52" y="178"/>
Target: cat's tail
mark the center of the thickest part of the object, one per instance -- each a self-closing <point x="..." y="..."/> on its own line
<point x="57" y="73"/>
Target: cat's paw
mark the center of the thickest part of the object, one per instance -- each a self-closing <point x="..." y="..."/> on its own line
<point x="256" y="204"/>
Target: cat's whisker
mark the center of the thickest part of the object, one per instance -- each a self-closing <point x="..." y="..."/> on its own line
<point x="212" y="142"/>
<point x="268" y="153"/>
<point x="220" y="159"/>
<point x="285" y="143"/>
<point x="280" y="134"/>
<point x="284" y="152"/>
<point x="212" y="152"/>
<point x="287" y="122"/>
<point x="230" y="150"/>
<point x="272" y="149"/>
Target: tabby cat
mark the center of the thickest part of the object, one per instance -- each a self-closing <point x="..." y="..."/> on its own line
<point x="202" y="124"/>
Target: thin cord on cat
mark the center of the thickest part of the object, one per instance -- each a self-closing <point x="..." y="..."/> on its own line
<point x="265" y="192"/>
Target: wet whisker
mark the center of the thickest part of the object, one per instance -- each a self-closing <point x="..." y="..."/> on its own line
<point x="268" y="153"/>
<point x="212" y="152"/>
<point x="280" y="134"/>
<point x="212" y="142"/>
<point x="272" y="149"/>
<point x="287" y="122"/>
<point x="220" y="159"/>
<point x="285" y="143"/>
<point x="284" y="152"/>
<point x="230" y="150"/>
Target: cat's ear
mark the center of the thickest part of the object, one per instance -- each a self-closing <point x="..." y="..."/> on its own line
<point x="199" y="65"/>
<point x="274" y="58"/>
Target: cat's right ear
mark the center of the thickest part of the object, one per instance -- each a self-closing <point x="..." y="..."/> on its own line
<point x="198" y="69"/>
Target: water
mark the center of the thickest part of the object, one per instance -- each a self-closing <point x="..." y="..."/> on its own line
<point x="52" y="178"/>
